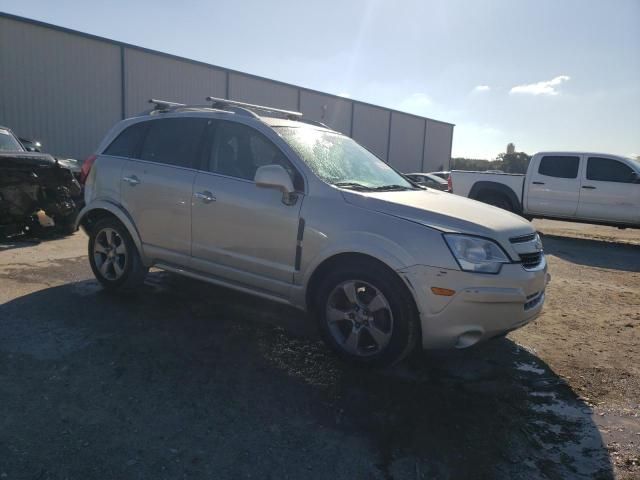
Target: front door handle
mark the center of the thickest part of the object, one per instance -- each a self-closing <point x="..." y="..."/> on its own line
<point x="132" y="180"/>
<point x="206" y="196"/>
<point x="589" y="187"/>
<point x="538" y="183"/>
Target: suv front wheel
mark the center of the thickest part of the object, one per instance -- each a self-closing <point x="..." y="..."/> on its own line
<point x="113" y="256"/>
<point x="367" y="315"/>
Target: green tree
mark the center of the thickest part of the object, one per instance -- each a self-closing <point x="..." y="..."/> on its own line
<point x="516" y="162"/>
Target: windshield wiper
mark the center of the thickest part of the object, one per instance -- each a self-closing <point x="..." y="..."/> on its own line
<point x="352" y="185"/>
<point x="385" y="188"/>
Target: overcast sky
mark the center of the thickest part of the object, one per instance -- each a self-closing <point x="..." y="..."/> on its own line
<point x="544" y="74"/>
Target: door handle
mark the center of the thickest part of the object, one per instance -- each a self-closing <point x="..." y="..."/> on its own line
<point x="132" y="180"/>
<point x="538" y="183"/>
<point x="206" y="196"/>
<point x="589" y="187"/>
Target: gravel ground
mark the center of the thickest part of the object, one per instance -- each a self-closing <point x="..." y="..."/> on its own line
<point x="186" y="380"/>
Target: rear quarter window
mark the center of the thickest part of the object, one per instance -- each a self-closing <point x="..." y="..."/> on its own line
<point x="127" y="144"/>
<point x="559" y="166"/>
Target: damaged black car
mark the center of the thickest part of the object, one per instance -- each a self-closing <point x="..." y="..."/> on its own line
<point x="39" y="194"/>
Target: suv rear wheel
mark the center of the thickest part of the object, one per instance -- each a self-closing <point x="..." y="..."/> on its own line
<point x="113" y="256"/>
<point x="367" y="315"/>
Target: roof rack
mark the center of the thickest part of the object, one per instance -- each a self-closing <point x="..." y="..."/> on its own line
<point x="165" y="105"/>
<point x="223" y="102"/>
<point x="230" y="106"/>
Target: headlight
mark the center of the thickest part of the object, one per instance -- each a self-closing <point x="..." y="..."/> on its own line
<point x="476" y="254"/>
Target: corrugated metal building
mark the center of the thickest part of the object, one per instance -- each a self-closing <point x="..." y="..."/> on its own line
<point x="67" y="88"/>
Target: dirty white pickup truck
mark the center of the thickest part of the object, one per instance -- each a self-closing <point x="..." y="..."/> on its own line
<point x="577" y="186"/>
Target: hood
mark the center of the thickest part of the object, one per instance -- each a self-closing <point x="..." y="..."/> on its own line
<point x="445" y="212"/>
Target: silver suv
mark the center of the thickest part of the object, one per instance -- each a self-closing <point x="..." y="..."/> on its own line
<point x="266" y="202"/>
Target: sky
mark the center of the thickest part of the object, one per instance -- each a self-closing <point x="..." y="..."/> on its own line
<point x="543" y="74"/>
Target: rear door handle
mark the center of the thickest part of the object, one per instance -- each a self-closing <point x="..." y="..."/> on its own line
<point x="538" y="183"/>
<point x="132" y="180"/>
<point x="589" y="187"/>
<point x="206" y="196"/>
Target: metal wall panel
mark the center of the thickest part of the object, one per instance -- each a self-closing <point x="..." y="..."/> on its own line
<point x="405" y="148"/>
<point x="371" y="128"/>
<point x="437" y="151"/>
<point x="59" y="88"/>
<point x="148" y="75"/>
<point x="246" y="88"/>
<point x="66" y="89"/>
<point x="332" y="111"/>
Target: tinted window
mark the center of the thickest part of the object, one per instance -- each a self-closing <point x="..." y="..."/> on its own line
<point x="127" y="144"/>
<point x="239" y="150"/>
<point x="561" y="167"/>
<point x="173" y="141"/>
<point x="608" y="170"/>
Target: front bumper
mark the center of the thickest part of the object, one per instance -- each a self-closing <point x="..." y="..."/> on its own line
<point x="483" y="306"/>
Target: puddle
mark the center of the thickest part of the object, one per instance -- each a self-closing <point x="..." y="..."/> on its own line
<point x="529" y="368"/>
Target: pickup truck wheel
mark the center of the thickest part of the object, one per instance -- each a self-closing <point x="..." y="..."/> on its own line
<point x="113" y="256"/>
<point x="367" y="315"/>
<point x="497" y="201"/>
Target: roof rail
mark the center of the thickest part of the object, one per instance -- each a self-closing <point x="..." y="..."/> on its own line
<point x="223" y="102"/>
<point x="165" y="105"/>
<point x="313" y="122"/>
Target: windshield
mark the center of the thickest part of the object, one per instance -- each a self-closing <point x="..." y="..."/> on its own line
<point x="340" y="161"/>
<point x="9" y="143"/>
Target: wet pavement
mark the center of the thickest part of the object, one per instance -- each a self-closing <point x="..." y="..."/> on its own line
<point x="183" y="379"/>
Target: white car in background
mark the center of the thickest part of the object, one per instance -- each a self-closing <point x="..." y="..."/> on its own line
<point x="577" y="186"/>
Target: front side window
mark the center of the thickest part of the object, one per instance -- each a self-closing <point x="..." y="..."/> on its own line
<point x="9" y="143"/>
<point x="173" y="141"/>
<point x="609" y="170"/>
<point x="340" y="161"/>
<point x="239" y="150"/>
<point x="127" y="144"/>
<point x="559" y="166"/>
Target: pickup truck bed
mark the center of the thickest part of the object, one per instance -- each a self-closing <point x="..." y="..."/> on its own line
<point x="575" y="186"/>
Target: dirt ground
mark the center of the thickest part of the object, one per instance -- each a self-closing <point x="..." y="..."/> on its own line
<point x="186" y="380"/>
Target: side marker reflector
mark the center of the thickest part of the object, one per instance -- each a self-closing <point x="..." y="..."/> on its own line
<point x="445" y="292"/>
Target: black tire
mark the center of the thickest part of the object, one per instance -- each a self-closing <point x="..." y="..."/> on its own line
<point x="499" y="201"/>
<point x="132" y="268"/>
<point x="405" y="331"/>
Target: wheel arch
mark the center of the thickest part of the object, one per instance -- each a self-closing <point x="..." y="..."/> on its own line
<point x="342" y="258"/>
<point x="100" y="209"/>
<point x="479" y="189"/>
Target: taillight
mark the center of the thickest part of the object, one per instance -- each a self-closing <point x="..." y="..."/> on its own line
<point x="450" y="184"/>
<point x="86" y="168"/>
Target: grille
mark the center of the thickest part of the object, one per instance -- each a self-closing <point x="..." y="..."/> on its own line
<point x="523" y="238"/>
<point x="531" y="260"/>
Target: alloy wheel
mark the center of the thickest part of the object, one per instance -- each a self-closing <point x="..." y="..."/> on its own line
<point x="110" y="254"/>
<point x="359" y="318"/>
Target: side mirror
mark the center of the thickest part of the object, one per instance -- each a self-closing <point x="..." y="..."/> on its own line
<point x="274" y="176"/>
<point x="635" y="177"/>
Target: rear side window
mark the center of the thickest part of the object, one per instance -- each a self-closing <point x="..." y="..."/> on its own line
<point x="127" y="144"/>
<point x="559" y="166"/>
<point x="173" y="141"/>
<point x="608" y="170"/>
